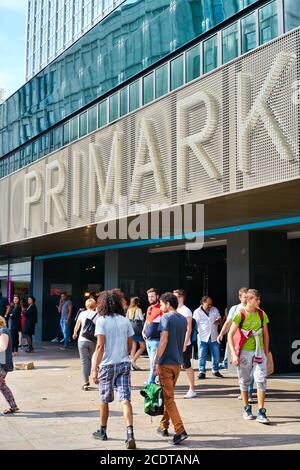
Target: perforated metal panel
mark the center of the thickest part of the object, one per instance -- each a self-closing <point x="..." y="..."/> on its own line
<point x="232" y="130"/>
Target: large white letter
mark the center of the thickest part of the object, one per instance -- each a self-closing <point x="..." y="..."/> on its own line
<point x="52" y="194"/>
<point x="260" y="110"/>
<point x="30" y="199"/>
<point x="195" y="141"/>
<point x="112" y="184"/>
<point x="147" y="141"/>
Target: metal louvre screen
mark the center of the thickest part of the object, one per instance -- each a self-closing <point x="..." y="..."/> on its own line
<point x="232" y="130"/>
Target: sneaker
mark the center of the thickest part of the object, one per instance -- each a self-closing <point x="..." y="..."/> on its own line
<point x="190" y="394"/>
<point x="100" y="434"/>
<point x="62" y="340"/>
<point x="262" y="417"/>
<point x="179" y="438"/>
<point x="223" y="366"/>
<point x="162" y="432"/>
<point x="240" y="397"/>
<point x="201" y="375"/>
<point x="55" y="340"/>
<point x="218" y="375"/>
<point x="247" y="414"/>
<point x="130" y="443"/>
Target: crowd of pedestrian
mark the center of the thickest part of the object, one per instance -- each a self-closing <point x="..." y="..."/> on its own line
<point x="113" y="333"/>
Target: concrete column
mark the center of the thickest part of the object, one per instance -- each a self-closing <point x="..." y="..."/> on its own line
<point x="111" y="269"/>
<point x="38" y="291"/>
<point x="259" y="260"/>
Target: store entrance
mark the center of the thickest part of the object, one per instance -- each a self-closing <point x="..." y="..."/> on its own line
<point x="78" y="277"/>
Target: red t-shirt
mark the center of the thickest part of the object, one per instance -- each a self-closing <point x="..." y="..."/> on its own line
<point x="153" y="312"/>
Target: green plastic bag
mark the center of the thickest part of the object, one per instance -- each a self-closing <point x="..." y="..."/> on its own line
<point x="153" y="400"/>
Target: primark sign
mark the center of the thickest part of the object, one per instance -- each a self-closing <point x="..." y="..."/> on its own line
<point x="232" y="130"/>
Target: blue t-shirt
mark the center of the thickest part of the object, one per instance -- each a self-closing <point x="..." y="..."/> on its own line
<point x="65" y="309"/>
<point x="176" y="325"/>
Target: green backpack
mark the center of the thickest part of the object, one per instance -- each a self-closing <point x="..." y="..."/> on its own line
<point x="153" y="399"/>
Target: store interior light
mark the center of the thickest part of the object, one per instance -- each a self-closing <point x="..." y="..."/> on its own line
<point x="86" y="294"/>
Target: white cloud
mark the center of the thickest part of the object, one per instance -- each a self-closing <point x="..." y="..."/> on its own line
<point x="14" y="5"/>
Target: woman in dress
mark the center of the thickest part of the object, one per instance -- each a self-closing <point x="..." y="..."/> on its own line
<point x="30" y="321"/>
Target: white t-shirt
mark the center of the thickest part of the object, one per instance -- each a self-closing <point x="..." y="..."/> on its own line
<point x="206" y="327"/>
<point x="116" y="329"/>
<point x="186" y="312"/>
<point x="82" y="317"/>
<point x="234" y="309"/>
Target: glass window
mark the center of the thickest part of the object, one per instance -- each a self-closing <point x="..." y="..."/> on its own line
<point x="134" y="95"/>
<point x="103" y="113"/>
<point x="3" y="281"/>
<point x="210" y="54"/>
<point x="114" y="107"/>
<point x="177" y="72"/>
<point x="161" y="81"/>
<point x="268" y="22"/>
<point x="148" y="92"/>
<point x="57" y="140"/>
<point x="83" y="124"/>
<point x="248" y="33"/>
<point x="92" y="119"/>
<point x="74" y="129"/>
<point x="124" y="101"/>
<point x="230" y="45"/>
<point x="192" y="63"/>
<point x="19" y="277"/>
<point x="34" y="151"/>
<point x="66" y="130"/>
<point x="291" y="14"/>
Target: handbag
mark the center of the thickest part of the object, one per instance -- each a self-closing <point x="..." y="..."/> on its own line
<point x="137" y="326"/>
<point x="88" y="330"/>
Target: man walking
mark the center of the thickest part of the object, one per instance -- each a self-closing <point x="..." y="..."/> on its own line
<point x="111" y="365"/>
<point x="254" y="349"/>
<point x="226" y="327"/>
<point x="187" y="347"/>
<point x="208" y="318"/>
<point x="151" y="333"/>
<point x="168" y="361"/>
<point x="65" y="309"/>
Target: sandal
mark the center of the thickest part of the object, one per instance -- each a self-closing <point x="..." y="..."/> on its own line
<point x="9" y="411"/>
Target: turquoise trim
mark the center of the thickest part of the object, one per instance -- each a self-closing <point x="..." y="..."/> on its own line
<point x="217" y="231"/>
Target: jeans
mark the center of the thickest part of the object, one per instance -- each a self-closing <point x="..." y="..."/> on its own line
<point x="152" y="345"/>
<point x="203" y="352"/>
<point x="66" y="331"/>
<point x="86" y="350"/>
<point x="168" y="377"/>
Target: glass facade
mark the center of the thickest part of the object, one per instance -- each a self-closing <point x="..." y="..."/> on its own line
<point x="268" y="22"/>
<point x="172" y="74"/>
<point x="248" y="25"/>
<point x="291" y="14"/>
<point x="210" y="54"/>
<point x="192" y="64"/>
<point x="134" y="36"/>
<point x="230" y="43"/>
<point x="15" y="277"/>
<point x="177" y="72"/>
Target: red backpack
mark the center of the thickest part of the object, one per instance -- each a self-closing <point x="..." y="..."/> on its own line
<point x="238" y="338"/>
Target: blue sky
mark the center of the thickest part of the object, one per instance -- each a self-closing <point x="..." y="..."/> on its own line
<point x="12" y="44"/>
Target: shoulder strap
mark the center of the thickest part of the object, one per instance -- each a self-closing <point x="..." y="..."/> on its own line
<point x="243" y="316"/>
<point x="261" y="314"/>
<point x="95" y="316"/>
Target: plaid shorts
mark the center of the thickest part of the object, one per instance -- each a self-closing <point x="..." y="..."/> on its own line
<point x="115" y="376"/>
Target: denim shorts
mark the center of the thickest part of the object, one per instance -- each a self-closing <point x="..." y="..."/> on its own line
<point x="115" y="376"/>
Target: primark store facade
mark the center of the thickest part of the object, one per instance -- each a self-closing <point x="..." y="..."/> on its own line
<point x="162" y="102"/>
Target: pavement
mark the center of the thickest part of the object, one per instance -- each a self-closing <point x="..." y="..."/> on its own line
<point x="56" y="414"/>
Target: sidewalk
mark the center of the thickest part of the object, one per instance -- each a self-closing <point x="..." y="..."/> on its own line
<point x="56" y="414"/>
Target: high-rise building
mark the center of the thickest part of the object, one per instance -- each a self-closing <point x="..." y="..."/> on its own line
<point x="162" y="102"/>
<point x="53" y="25"/>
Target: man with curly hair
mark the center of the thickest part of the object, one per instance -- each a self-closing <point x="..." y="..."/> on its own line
<point x="111" y="365"/>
